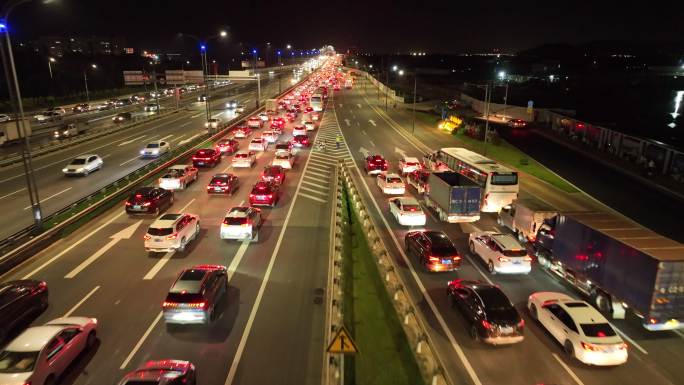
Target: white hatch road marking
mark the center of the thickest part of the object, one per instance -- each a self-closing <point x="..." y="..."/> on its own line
<point x="167" y="136"/>
<point x="227" y="168"/>
<point x="50" y="197"/>
<point x="262" y="288"/>
<point x="317" y="174"/>
<point x="126" y="233"/>
<point x="319" y="168"/>
<point x="73" y="309"/>
<point x="314" y="191"/>
<point x="364" y="151"/>
<point x="141" y="340"/>
<point x="326" y="179"/>
<point x="348" y="122"/>
<point x="372" y="122"/>
<point x="158" y="266"/>
<point x="567" y="369"/>
<point x="358" y="105"/>
<point x="317" y="185"/>
<point x="73" y="245"/>
<point x="188" y="139"/>
<point x="340" y="105"/>
<point x="131" y="140"/>
<point x="371" y="142"/>
<point x="187" y="205"/>
<point x="129" y="161"/>
<point x="12" y="193"/>
<point x="442" y="323"/>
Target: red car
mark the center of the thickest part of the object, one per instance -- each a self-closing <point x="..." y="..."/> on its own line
<point x="336" y="87"/>
<point x="278" y="122"/>
<point x="309" y="109"/>
<point x="206" y="157"/>
<point x="223" y="184"/>
<point x="264" y="194"/>
<point x="227" y="146"/>
<point x="301" y="141"/>
<point x="275" y="174"/>
<point x="291" y="116"/>
<point x="242" y="132"/>
<point x="375" y="164"/>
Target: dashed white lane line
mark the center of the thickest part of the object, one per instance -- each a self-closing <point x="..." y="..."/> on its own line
<point x="167" y="136"/>
<point x="141" y="340"/>
<point x="50" y="197"/>
<point x="79" y="303"/>
<point x="12" y="193"/>
<point x="567" y="369"/>
<point x="129" y="161"/>
<point x="158" y="266"/>
<point x="187" y="205"/>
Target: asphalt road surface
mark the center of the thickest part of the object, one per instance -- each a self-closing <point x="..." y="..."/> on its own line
<point x="654" y="357"/>
<point x="120" y="152"/>
<point x="271" y="324"/>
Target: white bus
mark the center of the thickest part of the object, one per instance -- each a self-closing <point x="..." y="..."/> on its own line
<point x="316" y="102"/>
<point x="499" y="184"/>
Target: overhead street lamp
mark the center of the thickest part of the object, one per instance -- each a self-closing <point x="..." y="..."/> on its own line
<point x="50" y="61"/>
<point x="85" y="80"/>
<point x="14" y="93"/>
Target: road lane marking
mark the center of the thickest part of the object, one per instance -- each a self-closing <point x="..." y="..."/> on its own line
<point x="358" y="105"/>
<point x="315" y="173"/>
<point x="236" y="260"/>
<point x="252" y="315"/>
<point x="567" y="369"/>
<point x="141" y="340"/>
<point x="126" y="233"/>
<point x="184" y="124"/>
<point x="318" y="185"/>
<point x="79" y="303"/>
<point x="312" y="197"/>
<point x="371" y="121"/>
<point x="186" y="206"/>
<point x="315" y="191"/>
<point x="73" y="245"/>
<point x="371" y="142"/>
<point x="50" y="197"/>
<point x="440" y="319"/>
<point x="198" y="115"/>
<point x="131" y="141"/>
<point x="166" y="137"/>
<point x="158" y="266"/>
<point x="319" y="168"/>
<point x="12" y="193"/>
<point x="679" y="333"/>
<point x="188" y="139"/>
<point x="631" y="341"/>
<point x="179" y="137"/>
<point x="129" y="161"/>
<point x="348" y="122"/>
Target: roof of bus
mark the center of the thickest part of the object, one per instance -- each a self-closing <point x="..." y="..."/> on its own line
<point x="481" y="162"/>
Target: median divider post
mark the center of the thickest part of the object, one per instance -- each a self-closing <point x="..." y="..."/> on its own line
<point x="430" y="364"/>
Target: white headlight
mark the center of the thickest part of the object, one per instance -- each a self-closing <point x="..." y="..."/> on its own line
<point x="65" y="170"/>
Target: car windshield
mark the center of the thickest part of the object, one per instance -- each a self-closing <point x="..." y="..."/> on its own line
<point x="493" y="299"/>
<point x="515" y="253"/>
<point x="78" y="161"/>
<point x="159" y="231"/>
<point x="153" y="145"/>
<point x="393" y="179"/>
<point x="17" y="362"/>
<point x="411" y="207"/>
<point x="597" y="330"/>
<point x="235" y="221"/>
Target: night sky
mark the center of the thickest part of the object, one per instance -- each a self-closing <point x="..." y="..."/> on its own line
<point x="375" y="26"/>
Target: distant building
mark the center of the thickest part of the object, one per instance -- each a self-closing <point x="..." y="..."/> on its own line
<point x="58" y="46"/>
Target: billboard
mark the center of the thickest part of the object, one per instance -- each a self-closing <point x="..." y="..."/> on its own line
<point x="134" y="78"/>
<point x="250" y="64"/>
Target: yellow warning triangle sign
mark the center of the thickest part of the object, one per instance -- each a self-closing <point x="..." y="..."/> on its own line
<point x="342" y="342"/>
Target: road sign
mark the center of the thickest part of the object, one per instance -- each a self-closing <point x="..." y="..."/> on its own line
<point x="342" y="343"/>
<point x="530" y="106"/>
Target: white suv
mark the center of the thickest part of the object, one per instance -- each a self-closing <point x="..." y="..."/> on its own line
<point x="172" y="232"/>
<point x="242" y="223"/>
<point x="501" y="252"/>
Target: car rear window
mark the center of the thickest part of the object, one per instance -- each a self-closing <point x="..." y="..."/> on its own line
<point x="241" y="155"/>
<point x="597" y="330"/>
<point x="411" y="207"/>
<point x="393" y="180"/>
<point x="282" y="147"/>
<point x="493" y="298"/>
<point x="235" y="221"/>
<point x="443" y="248"/>
<point x="515" y="253"/>
<point x="184" y="297"/>
<point x="17" y="362"/>
<point x="219" y="180"/>
<point x="153" y="145"/>
<point x="158" y="231"/>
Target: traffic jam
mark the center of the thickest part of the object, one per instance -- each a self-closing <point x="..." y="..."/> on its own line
<point x="283" y="133"/>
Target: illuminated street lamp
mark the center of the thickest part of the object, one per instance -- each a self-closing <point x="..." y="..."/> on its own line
<point x="50" y="61"/>
<point x="85" y="80"/>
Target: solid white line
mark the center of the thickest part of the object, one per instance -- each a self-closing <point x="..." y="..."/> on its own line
<point x="179" y="137"/>
<point x="314" y="191"/>
<point x="73" y="309"/>
<point x="262" y="289"/>
<point x="679" y="333"/>
<point x="50" y="197"/>
<point x="318" y="185"/>
<point x="129" y="161"/>
<point x="371" y="142"/>
<point x="227" y="168"/>
<point x="445" y="328"/>
<point x="631" y="341"/>
<point x="236" y="260"/>
<point x="80" y="240"/>
<point x="567" y="369"/>
<point x="312" y="197"/>
<point x="12" y="193"/>
<point x="186" y="206"/>
<point x="158" y="266"/>
<point x="142" y="339"/>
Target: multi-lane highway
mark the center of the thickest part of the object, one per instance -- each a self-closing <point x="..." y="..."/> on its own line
<point x="654" y="357"/>
<point x="273" y="316"/>
<point x="120" y="152"/>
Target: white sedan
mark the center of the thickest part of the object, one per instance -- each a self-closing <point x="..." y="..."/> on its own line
<point x="270" y="136"/>
<point x="83" y="165"/>
<point x="258" y="144"/>
<point x="284" y="159"/>
<point x="41" y="354"/>
<point x="243" y="159"/>
<point x="501" y="252"/>
<point x="582" y="330"/>
<point x="408" y="164"/>
<point x="407" y="211"/>
<point x="310" y="126"/>
<point x="391" y="184"/>
<point x="155" y="149"/>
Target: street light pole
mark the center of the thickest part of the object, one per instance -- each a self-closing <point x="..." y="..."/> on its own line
<point x="488" y="96"/>
<point x="50" y="61"/>
<point x="85" y="80"/>
<point x="415" y="87"/>
<point x="18" y="108"/>
<point x="258" y="90"/>
<point x="386" y="88"/>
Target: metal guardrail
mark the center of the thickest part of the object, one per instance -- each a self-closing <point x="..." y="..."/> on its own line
<point x="25" y="243"/>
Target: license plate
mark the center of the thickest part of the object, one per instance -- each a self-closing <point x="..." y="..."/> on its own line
<point x="507" y="330"/>
<point x="158" y="240"/>
<point x="136" y="207"/>
<point x="261" y="198"/>
<point x="200" y="163"/>
<point x="516" y="262"/>
<point x="446" y="261"/>
<point x="217" y="189"/>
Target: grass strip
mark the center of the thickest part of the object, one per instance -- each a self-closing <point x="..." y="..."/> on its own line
<point x="385" y="356"/>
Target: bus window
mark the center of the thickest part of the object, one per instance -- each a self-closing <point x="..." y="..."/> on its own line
<point x="504" y="179"/>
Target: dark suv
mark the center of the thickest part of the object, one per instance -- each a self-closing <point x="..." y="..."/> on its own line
<point x="434" y="250"/>
<point x="493" y="318"/>
<point x="194" y="296"/>
<point x="20" y="301"/>
<point x="149" y="200"/>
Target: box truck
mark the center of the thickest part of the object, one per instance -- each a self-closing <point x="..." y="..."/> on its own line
<point x="619" y="265"/>
<point x="453" y="196"/>
<point x="524" y="216"/>
<point x="10" y="133"/>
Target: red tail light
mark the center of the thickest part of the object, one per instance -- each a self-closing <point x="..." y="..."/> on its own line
<point x="172" y="236"/>
<point x="166" y="304"/>
<point x="486" y="324"/>
<point x="456" y="258"/>
<point x="147" y="204"/>
<point x="270" y="196"/>
<point x="503" y="259"/>
<point x="197" y="305"/>
<point x="527" y="259"/>
<point x="251" y="195"/>
<point x="147" y="237"/>
<point x="129" y="203"/>
<point x="433" y="259"/>
<point x="521" y="324"/>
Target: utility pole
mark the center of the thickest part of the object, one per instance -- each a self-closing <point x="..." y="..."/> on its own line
<point x="258" y="90"/>
<point x="85" y="80"/>
<point x="415" y="87"/>
<point x="386" y="88"/>
<point x="505" y="102"/>
<point x="488" y="96"/>
<point x="156" y="92"/>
